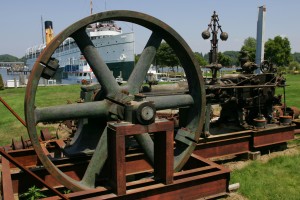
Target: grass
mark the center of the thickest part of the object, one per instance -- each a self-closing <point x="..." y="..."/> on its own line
<point x="277" y="179"/>
<point x="10" y="127"/>
<point x="292" y="90"/>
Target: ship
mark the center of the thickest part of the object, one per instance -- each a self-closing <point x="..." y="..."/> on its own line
<point x="115" y="47"/>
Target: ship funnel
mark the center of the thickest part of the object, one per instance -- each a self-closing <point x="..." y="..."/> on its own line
<point x="48" y="31"/>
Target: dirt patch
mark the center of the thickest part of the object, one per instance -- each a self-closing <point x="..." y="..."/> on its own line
<point x="59" y="129"/>
<point x="239" y="164"/>
<point x="235" y="196"/>
<point x="288" y="152"/>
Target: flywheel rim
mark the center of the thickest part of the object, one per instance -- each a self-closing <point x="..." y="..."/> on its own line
<point x="188" y="136"/>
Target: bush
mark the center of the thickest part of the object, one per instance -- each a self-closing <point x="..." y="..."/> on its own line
<point x="282" y="69"/>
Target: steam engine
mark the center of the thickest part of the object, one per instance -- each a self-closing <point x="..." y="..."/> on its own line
<point x="247" y="99"/>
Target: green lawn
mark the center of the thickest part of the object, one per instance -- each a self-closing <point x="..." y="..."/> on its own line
<point x="277" y="179"/>
<point x="10" y="127"/>
<point x="292" y="90"/>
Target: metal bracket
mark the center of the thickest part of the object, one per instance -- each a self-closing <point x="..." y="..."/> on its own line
<point x="50" y="68"/>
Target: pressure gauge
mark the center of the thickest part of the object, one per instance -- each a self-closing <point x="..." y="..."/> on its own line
<point x="147" y="113"/>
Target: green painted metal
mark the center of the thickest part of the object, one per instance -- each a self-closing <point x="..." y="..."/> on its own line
<point x="114" y="98"/>
<point x="139" y="73"/>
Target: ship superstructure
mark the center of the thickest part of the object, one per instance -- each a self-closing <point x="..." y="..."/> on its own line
<point x="115" y="48"/>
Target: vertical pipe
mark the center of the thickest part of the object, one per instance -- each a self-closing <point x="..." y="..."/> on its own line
<point x="207" y="120"/>
<point x="284" y="100"/>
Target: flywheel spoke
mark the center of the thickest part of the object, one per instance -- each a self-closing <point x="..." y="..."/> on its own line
<point x="71" y="111"/>
<point x="140" y="70"/>
<point x="99" y="67"/>
<point x="97" y="162"/>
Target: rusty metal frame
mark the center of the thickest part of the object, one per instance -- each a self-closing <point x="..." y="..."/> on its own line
<point x="200" y="178"/>
<point x="139" y="160"/>
<point x="7" y="158"/>
<point x="244" y="141"/>
<point x="163" y="151"/>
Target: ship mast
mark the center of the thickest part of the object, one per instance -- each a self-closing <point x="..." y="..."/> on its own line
<point x="42" y="24"/>
<point x="91" y="6"/>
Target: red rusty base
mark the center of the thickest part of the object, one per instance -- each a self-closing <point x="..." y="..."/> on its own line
<point x="200" y="178"/>
<point x="272" y="135"/>
<point x="244" y="141"/>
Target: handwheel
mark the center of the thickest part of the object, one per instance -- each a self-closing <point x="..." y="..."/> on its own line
<point x="265" y="66"/>
<point x="115" y="98"/>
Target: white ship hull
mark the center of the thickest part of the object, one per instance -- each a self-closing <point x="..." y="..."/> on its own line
<point x="116" y="50"/>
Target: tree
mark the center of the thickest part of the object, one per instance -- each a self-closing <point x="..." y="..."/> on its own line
<point x="165" y="56"/>
<point x="223" y="59"/>
<point x="200" y="59"/>
<point x="250" y="47"/>
<point x="136" y="57"/>
<point x="8" y="58"/>
<point x="206" y="57"/>
<point x="234" y="56"/>
<point x="231" y="58"/>
<point x="296" y="56"/>
<point x="278" y="51"/>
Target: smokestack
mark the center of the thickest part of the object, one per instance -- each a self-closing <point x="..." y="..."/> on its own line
<point x="259" y="57"/>
<point x="48" y="31"/>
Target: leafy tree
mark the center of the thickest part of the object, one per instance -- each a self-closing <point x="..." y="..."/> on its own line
<point x="223" y="59"/>
<point x="199" y="57"/>
<point x="165" y="56"/>
<point x="250" y="47"/>
<point x="227" y="58"/>
<point x="296" y="56"/>
<point x="278" y="50"/>
<point x="234" y="56"/>
<point x="206" y="57"/>
<point x="137" y="57"/>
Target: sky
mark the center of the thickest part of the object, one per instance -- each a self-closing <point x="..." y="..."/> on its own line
<point x="21" y="27"/>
